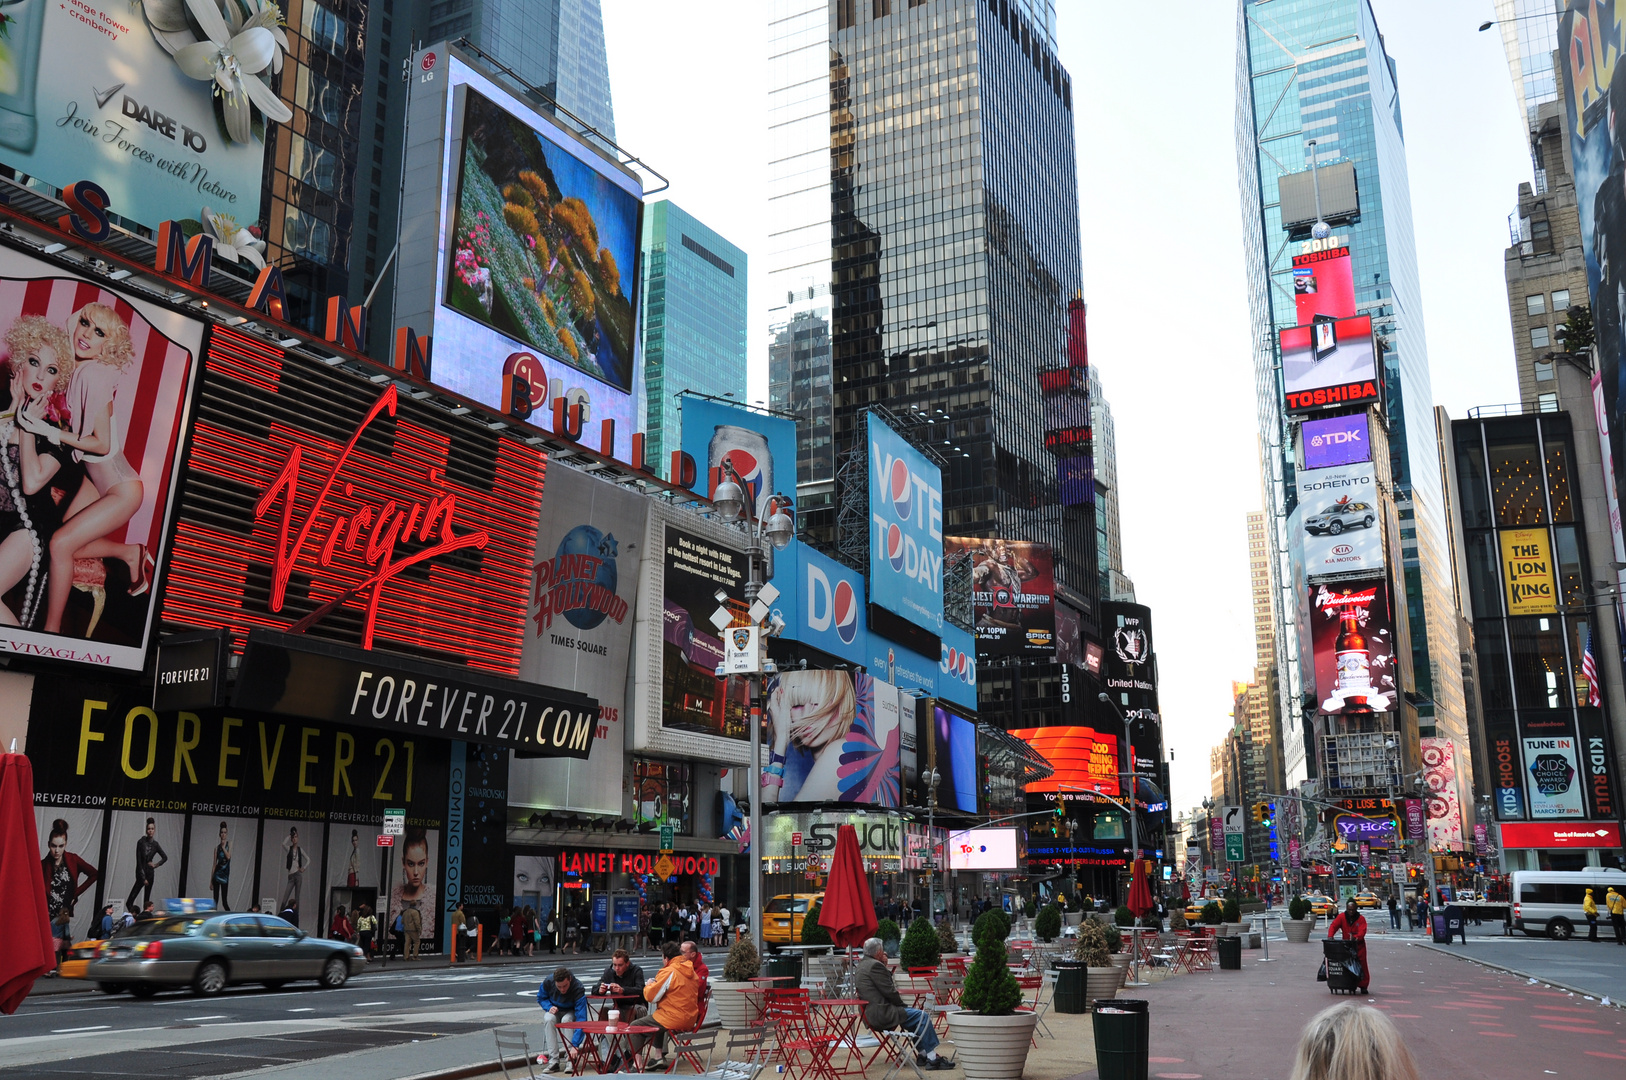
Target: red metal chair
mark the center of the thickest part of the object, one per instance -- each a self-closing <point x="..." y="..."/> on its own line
<point x="789" y="1013"/>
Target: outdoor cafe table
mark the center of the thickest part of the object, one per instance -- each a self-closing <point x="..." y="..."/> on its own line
<point x="593" y="1030"/>
<point x="605" y="1002"/>
<point x="839" y="1017"/>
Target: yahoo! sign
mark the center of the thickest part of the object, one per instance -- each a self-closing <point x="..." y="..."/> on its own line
<point x="1340" y="440"/>
<point x="1375" y="832"/>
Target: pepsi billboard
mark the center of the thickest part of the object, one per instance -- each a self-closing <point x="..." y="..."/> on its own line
<point x="832" y="607"/>
<point x="957" y="671"/>
<point x="902" y="667"/>
<point x="1338" y="440"/>
<point x="906" y="529"/>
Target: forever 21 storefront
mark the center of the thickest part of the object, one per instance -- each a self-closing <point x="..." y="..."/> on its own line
<point x="304" y="603"/>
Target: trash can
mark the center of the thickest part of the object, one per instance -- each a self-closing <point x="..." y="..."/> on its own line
<point x="1070" y="987"/>
<point x="1122" y="1038"/>
<point x="1337" y="955"/>
<point x="786" y="964"/>
<point x="1230" y="953"/>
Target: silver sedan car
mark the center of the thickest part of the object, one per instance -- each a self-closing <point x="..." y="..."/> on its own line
<point x="208" y="952"/>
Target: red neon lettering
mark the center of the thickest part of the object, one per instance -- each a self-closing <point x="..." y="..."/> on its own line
<point x="385" y="527"/>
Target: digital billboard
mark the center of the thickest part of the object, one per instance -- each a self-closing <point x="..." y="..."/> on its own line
<point x="830" y="608"/>
<point x="1337" y="440"/>
<point x="1084" y="759"/>
<point x="833" y="736"/>
<point x="1352" y="641"/>
<point x="96" y="390"/>
<point x="983" y="849"/>
<point x="957" y="671"/>
<point x="1323" y="284"/>
<point x="1066" y="393"/>
<point x="1130" y="671"/>
<point x="584" y="584"/>
<point x="1013" y="594"/>
<point x="99" y="90"/>
<point x="906" y="529"/>
<point x="1339" y="519"/>
<point x="1330" y="363"/>
<point x="693" y="698"/>
<point x="1075" y="480"/>
<point x="955" y="759"/>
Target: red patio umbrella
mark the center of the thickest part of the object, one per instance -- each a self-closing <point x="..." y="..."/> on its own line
<point x="29" y="951"/>
<point x="847" y="912"/>
<point x="1140" y="893"/>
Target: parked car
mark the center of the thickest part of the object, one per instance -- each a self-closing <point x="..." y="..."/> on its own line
<point x="782" y="917"/>
<point x="209" y="952"/>
<point x="1549" y="901"/>
<point x="1340" y="516"/>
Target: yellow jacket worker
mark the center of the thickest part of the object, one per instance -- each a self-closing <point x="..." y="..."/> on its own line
<point x="1617" y="914"/>
<point x="1589" y="908"/>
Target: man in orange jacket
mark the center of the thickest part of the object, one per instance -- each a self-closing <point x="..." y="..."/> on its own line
<point x="673" y="995"/>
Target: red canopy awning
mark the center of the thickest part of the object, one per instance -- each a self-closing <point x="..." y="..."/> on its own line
<point x="848" y="912"/>
<point x="29" y="951"/>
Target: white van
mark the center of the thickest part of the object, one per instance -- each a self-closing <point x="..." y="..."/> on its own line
<point x="1549" y="901"/>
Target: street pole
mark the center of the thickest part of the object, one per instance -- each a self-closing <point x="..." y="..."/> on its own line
<point x="932" y="780"/>
<point x="754" y="781"/>
<point x="1134" y="829"/>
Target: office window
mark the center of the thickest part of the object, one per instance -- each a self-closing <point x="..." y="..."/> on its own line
<point x="313" y="165"/>
<point x="1561" y="299"/>
<point x="324" y="29"/>
<point x="1535" y="305"/>
<point x="1544" y="370"/>
<point x="1539" y="337"/>
<point x="1547" y="403"/>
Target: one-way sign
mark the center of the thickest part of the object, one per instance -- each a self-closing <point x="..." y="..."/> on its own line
<point x="1235" y="823"/>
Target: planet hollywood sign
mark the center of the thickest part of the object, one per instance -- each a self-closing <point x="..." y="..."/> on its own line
<point x="634" y="862"/>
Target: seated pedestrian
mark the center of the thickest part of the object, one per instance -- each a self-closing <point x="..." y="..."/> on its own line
<point x="562" y="999"/>
<point x="674" y="995"/>
<point x="625" y="980"/>
<point x="884" y="1009"/>
<point x="1352" y="1042"/>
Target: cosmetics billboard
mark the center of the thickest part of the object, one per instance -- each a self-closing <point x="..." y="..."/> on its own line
<point x="833" y="736"/>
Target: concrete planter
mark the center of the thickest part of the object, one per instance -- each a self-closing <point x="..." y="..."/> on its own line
<point x="1230" y="929"/>
<point x="1071" y="918"/>
<point x="991" y="1047"/>
<point x="1103" y="983"/>
<point x="734" y="1009"/>
<point x="1298" y="929"/>
<point x="1120" y="962"/>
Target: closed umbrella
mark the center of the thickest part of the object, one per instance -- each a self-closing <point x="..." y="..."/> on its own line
<point x="847" y="912"/>
<point x="29" y="951"/>
<point x="1140" y="893"/>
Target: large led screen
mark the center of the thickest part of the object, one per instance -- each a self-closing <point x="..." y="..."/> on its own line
<point x="693" y="698"/>
<point x="983" y="849"/>
<point x="1338" y="440"/>
<point x="1352" y="638"/>
<point x="1066" y="407"/>
<point x="833" y="736"/>
<point x="1340" y="522"/>
<point x="1323" y="284"/>
<point x="96" y="390"/>
<point x="906" y="529"/>
<point x="956" y="748"/>
<point x="1329" y="363"/>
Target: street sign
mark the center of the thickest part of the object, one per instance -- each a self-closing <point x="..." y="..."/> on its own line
<point x="795" y="839"/>
<point x="1233" y="847"/>
<point x="394" y="821"/>
<point x="667" y="835"/>
<point x="384" y="840"/>
<point x="1235" y="823"/>
<point x="665" y="867"/>
<point x="812" y="873"/>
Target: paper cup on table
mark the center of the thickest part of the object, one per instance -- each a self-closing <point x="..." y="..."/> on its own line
<point x="613" y="1015"/>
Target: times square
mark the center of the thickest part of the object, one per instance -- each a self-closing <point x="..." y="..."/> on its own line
<point x="494" y="496"/>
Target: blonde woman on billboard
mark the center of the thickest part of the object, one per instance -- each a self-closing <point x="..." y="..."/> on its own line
<point x="811" y="713"/>
<point x="113" y="491"/>
<point x="41" y="370"/>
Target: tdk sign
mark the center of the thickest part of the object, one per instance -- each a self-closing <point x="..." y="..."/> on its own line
<point x="832" y="607"/>
<point x="906" y="535"/>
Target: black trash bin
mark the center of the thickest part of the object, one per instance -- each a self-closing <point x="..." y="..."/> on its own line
<point x="1122" y="1038"/>
<point x="1069" y="996"/>
<point x="1230" y="953"/>
<point x="1441" y="928"/>
<point x="780" y="964"/>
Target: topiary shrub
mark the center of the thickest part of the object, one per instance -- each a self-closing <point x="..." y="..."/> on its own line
<point x="743" y="963"/>
<point x="1115" y="940"/>
<point x="1030" y="907"/>
<point x="1123" y="916"/>
<point x="1211" y="914"/>
<point x="1232" y="913"/>
<point x="1095" y="942"/>
<point x="919" y="947"/>
<point x="1177" y="918"/>
<point x="946" y="941"/>
<point x="990" y="988"/>
<point x="888" y="931"/>
<point x="812" y="932"/>
<point x="1298" y="908"/>
<point x="1047" y="924"/>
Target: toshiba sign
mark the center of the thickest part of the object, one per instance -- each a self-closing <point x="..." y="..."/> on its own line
<point x="1585" y="834"/>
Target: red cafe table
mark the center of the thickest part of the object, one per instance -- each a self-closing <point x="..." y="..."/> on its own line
<point x="593" y="1030"/>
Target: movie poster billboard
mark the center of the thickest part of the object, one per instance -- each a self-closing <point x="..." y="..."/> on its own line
<point x="833" y="737"/>
<point x="95" y="90"/>
<point x="1323" y="284"/>
<point x="1352" y="641"/>
<point x="1337" y="440"/>
<point x="906" y="529"/>
<point x="1013" y="594"/>
<point x="96" y="391"/>
<point x="1555" y="783"/>
<point x="579" y="632"/>
<point x="1339" y="520"/>
<point x="693" y="698"/>
<point x="1330" y="363"/>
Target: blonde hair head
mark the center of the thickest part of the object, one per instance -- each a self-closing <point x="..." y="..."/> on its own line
<point x="1352" y="1042"/>
<point x="119" y="350"/>
<point x="31" y="333"/>
<point x="832" y="693"/>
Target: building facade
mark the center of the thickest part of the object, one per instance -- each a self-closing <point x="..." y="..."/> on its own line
<point x="1115" y="584"/>
<point x="694" y="310"/>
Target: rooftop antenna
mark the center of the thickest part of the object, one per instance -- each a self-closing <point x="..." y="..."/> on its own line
<point x="1320" y="230"/>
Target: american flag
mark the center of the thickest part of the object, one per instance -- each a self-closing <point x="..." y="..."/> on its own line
<point x="1589" y="668"/>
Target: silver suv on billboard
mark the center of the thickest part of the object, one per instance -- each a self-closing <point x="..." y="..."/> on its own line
<point x="1340" y="516"/>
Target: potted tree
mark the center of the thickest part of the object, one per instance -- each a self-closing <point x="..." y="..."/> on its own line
<point x="1232" y="918"/>
<point x="890" y="934"/>
<point x="919" y="947"/>
<point x="1300" y="919"/>
<point x="947" y="943"/>
<point x="1071" y="912"/>
<point x="734" y="1009"/>
<point x="1114" y="939"/>
<point x="991" y="1037"/>
<point x="1096" y="952"/>
<point x="1047" y="924"/>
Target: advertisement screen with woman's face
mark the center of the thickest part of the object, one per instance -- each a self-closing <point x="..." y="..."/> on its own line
<point x="94" y="387"/>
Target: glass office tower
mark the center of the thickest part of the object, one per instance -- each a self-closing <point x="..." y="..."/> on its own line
<point x="1529" y="30"/>
<point x="693" y="322"/>
<point x="1317" y="69"/>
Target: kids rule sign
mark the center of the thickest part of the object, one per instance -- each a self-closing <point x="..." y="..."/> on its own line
<point x="1527" y="569"/>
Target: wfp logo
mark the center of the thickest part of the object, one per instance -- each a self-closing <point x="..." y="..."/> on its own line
<point x="832" y="608"/>
<point x="959" y="665"/>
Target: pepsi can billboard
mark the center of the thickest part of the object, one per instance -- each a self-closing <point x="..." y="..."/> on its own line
<point x="906" y="529"/>
<point x="1338" y="440"/>
<point x="903" y="668"/>
<point x="957" y="671"/>
<point x="832" y="607"/>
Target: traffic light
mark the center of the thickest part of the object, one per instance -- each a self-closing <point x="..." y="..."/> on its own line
<point x="1261" y="813"/>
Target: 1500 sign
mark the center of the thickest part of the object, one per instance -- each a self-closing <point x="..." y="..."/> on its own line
<point x="325" y="681"/>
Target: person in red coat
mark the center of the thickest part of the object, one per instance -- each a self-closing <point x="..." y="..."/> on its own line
<point x="1353" y="924"/>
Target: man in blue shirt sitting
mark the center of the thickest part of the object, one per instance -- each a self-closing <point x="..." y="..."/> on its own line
<point x="562" y="999"/>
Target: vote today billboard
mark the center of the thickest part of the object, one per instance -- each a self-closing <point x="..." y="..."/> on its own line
<point x="906" y="529"/>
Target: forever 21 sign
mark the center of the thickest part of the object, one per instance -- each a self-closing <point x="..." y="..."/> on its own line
<point x="299" y="676"/>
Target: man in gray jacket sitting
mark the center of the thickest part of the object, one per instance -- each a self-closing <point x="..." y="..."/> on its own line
<point x="884" y="1009"/>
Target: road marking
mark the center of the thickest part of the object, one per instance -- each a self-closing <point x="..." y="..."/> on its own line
<point x="306" y="1009"/>
<point x="522" y="993"/>
<point x="498" y="994"/>
<point x="191" y="1019"/>
<point x="363" y="1004"/>
<point x="435" y="999"/>
<point x="72" y="1031"/>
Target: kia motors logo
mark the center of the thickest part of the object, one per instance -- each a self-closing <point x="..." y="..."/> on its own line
<point x="902" y="491"/>
<point x="1342" y="549"/>
<point x="846" y="612"/>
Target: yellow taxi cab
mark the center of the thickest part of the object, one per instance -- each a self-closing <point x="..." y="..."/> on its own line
<point x="79" y="958"/>
<point x="1366" y="899"/>
<point x="1194" y="908"/>
<point x="1322" y="904"/>
<point x="782" y="917"/>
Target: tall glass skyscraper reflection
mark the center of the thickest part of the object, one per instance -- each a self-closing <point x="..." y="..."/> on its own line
<point x="1317" y="70"/>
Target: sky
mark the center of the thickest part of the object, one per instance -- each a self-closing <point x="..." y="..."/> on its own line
<point x="1162" y="252"/>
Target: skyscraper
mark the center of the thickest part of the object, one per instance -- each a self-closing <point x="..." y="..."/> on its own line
<point x="1529" y="30"/>
<point x="1317" y="70"/>
<point x="694" y="321"/>
<point x="1115" y="584"/>
<point x="1259" y="583"/>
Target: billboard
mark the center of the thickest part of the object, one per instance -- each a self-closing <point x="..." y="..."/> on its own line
<point x="1527" y="570"/>
<point x="983" y="849"/>
<point x="1066" y="393"/>
<point x="906" y="529"/>
<point x="1443" y="806"/>
<point x="1352" y="641"/>
<point x="833" y="736"/>
<point x="1323" y="284"/>
<point x="113" y="104"/>
<point x="957" y="671"/>
<point x="955" y="759"/>
<point x="905" y="668"/>
<point x="1013" y="595"/>
<point x="1330" y="363"/>
<point x="1338" y="519"/>
<point x="96" y="392"/>
<point x="830" y="608"/>
<point x="693" y="698"/>
<point x="1337" y="440"/>
<point x="1129" y="661"/>
<point x="1084" y="759"/>
<point x="584" y="583"/>
<point x="1075" y="480"/>
<point x="1555" y="777"/>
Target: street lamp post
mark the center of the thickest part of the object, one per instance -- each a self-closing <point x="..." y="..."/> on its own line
<point x="777" y="528"/>
<point x="1134" y="827"/>
<point x="931" y="778"/>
